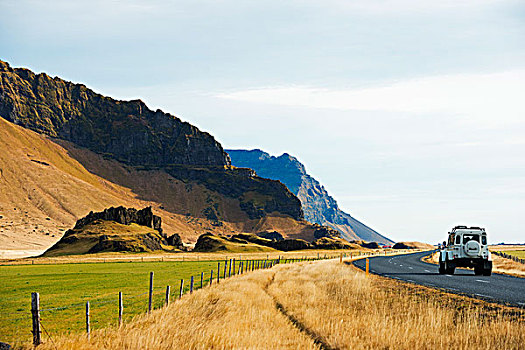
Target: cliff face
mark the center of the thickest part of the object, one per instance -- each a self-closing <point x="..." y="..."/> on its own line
<point x="124" y="130"/>
<point x="141" y="140"/>
<point x="318" y="206"/>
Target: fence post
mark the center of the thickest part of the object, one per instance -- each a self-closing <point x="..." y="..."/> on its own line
<point x="234" y="266"/>
<point x="367" y="266"/>
<point x="88" y="328"/>
<point x="230" y="269"/>
<point x="120" y="308"/>
<point x="167" y="302"/>
<point x="240" y="268"/>
<point x="225" y="268"/>
<point x="35" y="311"/>
<point x="191" y="285"/>
<point x="181" y="288"/>
<point x="150" y="291"/>
<point x="211" y="277"/>
<point x="218" y="272"/>
<point x="202" y="277"/>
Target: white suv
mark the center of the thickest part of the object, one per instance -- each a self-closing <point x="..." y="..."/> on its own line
<point x="466" y="247"/>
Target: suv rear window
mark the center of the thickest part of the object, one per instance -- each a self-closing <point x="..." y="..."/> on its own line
<point x="484" y="240"/>
<point x="470" y="237"/>
<point x="458" y="239"/>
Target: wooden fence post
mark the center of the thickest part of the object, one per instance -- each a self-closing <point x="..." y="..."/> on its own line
<point x="150" y="291"/>
<point x="211" y="277"/>
<point x="167" y="302"/>
<point x="191" y="285"/>
<point x="230" y="269"/>
<point x="234" y="266"/>
<point x="35" y="311"/>
<point x="367" y="266"/>
<point x="341" y="258"/>
<point x="240" y="268"/>
<point x="218" y="272"/>
<point x="225" y="268"/>
<point x="88" y="330"/>
<point x="120" y="308"/>
<point x="181" y="288"/>
<point x="202" y="277"/>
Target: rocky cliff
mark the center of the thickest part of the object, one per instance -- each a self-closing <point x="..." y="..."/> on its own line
<point x="318" y="206"/>
<point x="127" y="131"/>
<point x="133" y="143"/>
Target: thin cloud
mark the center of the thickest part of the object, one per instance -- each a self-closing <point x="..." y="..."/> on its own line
<point x="483" y="98"/>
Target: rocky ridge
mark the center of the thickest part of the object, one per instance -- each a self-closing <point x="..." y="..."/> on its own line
<point x="143" y="141"/>
<point x="318" y="206"/>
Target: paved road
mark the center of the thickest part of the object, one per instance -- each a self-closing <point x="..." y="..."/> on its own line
<point x="409" y="267"/>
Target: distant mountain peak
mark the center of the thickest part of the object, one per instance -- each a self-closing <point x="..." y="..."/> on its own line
<point x="318" y="206"/>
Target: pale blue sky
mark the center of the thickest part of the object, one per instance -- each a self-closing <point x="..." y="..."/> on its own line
<point x="411" y="113"/>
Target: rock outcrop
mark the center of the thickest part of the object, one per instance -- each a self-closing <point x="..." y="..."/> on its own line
<point x="116" y="230"/>
<point x="124" y="130"/>
<point x="124" y="216"/>
<point x="318" y="206"/>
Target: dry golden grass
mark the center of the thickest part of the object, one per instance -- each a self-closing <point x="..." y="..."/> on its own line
<point x="350" y="311"/>
<point x="315" y="305"/>
<point x="237" y="313"/>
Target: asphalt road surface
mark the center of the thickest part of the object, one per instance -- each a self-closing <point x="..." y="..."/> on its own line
<point x="409" y="267"/>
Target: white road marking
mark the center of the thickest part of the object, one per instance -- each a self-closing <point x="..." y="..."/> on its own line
<point x="410" y="268"/>
<point x="400" y="265"/>
<point x="482" y="295"/>
<point x="483" y="281"/>
<point x="427" y="271"/>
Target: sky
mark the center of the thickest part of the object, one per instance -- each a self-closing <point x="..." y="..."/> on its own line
<point x="410" y="113"/>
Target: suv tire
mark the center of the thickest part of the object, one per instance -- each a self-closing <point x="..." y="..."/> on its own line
<point x="449" y="267"/>
<point x="478" y="270"/>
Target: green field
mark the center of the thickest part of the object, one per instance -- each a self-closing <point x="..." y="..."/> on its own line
<point x="518" y="253"/>
<point x="65" y="288"/>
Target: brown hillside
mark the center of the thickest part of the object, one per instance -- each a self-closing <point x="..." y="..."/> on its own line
<point x="45" y="187"/>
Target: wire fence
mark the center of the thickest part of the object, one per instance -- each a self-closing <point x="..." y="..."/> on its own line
<point x="122" y="307"/>
<point x="509" y="256"/>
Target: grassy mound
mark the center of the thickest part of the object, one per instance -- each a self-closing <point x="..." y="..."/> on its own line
<point x="212" y="243"/>
<point x="104" y="236"/>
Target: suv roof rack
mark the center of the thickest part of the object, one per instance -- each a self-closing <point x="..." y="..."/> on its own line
<point x="477" y="228"/>
<point x="458" y="227"/>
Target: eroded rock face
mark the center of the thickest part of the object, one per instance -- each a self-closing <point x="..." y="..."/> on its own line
<point x="125" y="216"/>
<point x="124" y="130"/>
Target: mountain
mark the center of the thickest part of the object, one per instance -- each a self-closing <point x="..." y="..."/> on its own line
<point x="72" y="151"/>
<point x="318" y="206"/>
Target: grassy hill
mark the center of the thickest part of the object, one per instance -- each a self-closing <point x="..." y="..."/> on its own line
<point x="47" y="184"/>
